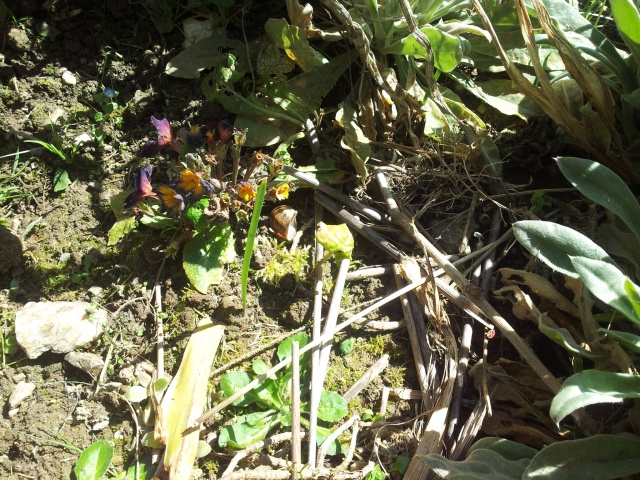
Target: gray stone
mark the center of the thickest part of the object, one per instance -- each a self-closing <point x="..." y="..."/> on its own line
<point x="60" y="327"/>
<point x="20" y="392"/>
<point x="88" y="362"/>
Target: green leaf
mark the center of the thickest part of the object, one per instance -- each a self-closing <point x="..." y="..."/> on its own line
<point x="136" y="394"/>
<point x="354" y="139"/>
<point x="284" y="349"/>
<point x="205" y="254"/>
<point x="563" y="337"/>
<point x="201" y="55"/>
<point x="447" y="49"/>
<point x="140" y="469"/>
<point x="195" y="213"/>
<point x="627" y="17"/>
<point x="501" y="94"/>
<point x="628" y="340"/>
<point x="60" y="180"/>
<point x="294" y="42"/>
<point x="632" y="295"/>
<point x="607" y="283"/>
<point x="332" y="407"/>
<point x="347" y="345"/>
<point x="591" y="387"/>
<point x="231" y="382"/>
<point x="247" y="430"/>
<point x="554" y="244"/>
<point x="120" y="229"/>
<point x="94" y="461"/>
<point x="251" y="236"/>
<point x="601" y="185"/>
<point x="497" y="459"/>
<point x="601" y="456"/>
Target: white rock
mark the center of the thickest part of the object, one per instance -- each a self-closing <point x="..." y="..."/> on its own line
<point x="60" y="327"/>
<point x="86" y="361"/>
<point x="69" y="78"/>
<point x="20" y="392"/>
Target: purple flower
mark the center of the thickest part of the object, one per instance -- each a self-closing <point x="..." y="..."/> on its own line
<point x="142" y="185"/>
<point x="165" y="137"/>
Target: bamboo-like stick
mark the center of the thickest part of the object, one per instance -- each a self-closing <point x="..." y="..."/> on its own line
<point x="372" y="372"/>
<point x="369" y="212"/>
<point x="416" y="349"/>
<point x="296" y="453"/>
<point x="317" y="333"/>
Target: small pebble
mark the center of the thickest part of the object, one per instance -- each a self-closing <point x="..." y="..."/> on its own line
<point x="69" y="78"/>
<point x="96" y="291"/>
<point x="21" y="391"/>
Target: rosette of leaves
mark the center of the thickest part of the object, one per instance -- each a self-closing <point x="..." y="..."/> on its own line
<point x="268" y="406"/>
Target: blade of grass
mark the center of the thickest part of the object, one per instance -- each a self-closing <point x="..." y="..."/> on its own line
<point x="251" y="236"/>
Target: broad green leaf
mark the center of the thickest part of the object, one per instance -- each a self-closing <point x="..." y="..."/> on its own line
<point x="628" y="340"/>
<point x="251" y="236"/>
<point x="354" y="138"/>
<point x="120" y="229"/>
<point x="160" y="222"/>
<point x="480" y="464"/>
<point x="505" y="448"/>
<point x="332" y="407"/>
<point x="195" y="213"/>
<point x="335" y="448"/>
<point x="591" y="387"/>
<point x="633" y="296"/>
<point x="554" y="244"/>
<point x="601" y="185"/>
<point x="247" y="430"/>
<point x="284" y="349"/>
<point x="335" y="238"/>
<point x="501" y="94"/>
<point x="60" y="180"/>
<point x="620" y="244"/>
<point x="263" y="131"/>
<point x="204" y="449"/>
<point x="603" y="457"/>
<point x="141" y="468"/>
<point x="447" y="49"/>
<point x="607" y="283"/>
<point x="201" y="55"/>
<point x="563" y="337"/>
<point x="627" y="17"/>
<point x="136" y="394"/>
<point x="294" y="42"/>
<point x="231" y="382"/>
<point x="205" y="254"/>
<point x="94" y="461"/>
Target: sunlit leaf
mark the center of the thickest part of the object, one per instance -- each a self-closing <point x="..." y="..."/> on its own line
<point x="203" y="54"/>
<point x="592" y="387"/>
<point x="628" y="340"/>
<point x="604" y="457"/>
<point x="206" y="253"/>
<point x="447" y="49"/>
<point x="554" y="244"/>
<point x="563" y="337"/>
<point x="294" y="42"/>
<point x="601" y="185"/>
<point x="94" y="461"/>
<point x="607" y="283"/>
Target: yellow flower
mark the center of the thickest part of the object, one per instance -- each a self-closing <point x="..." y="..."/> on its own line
<point x="282" y="191"/>
<point x="246" y="192"/>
